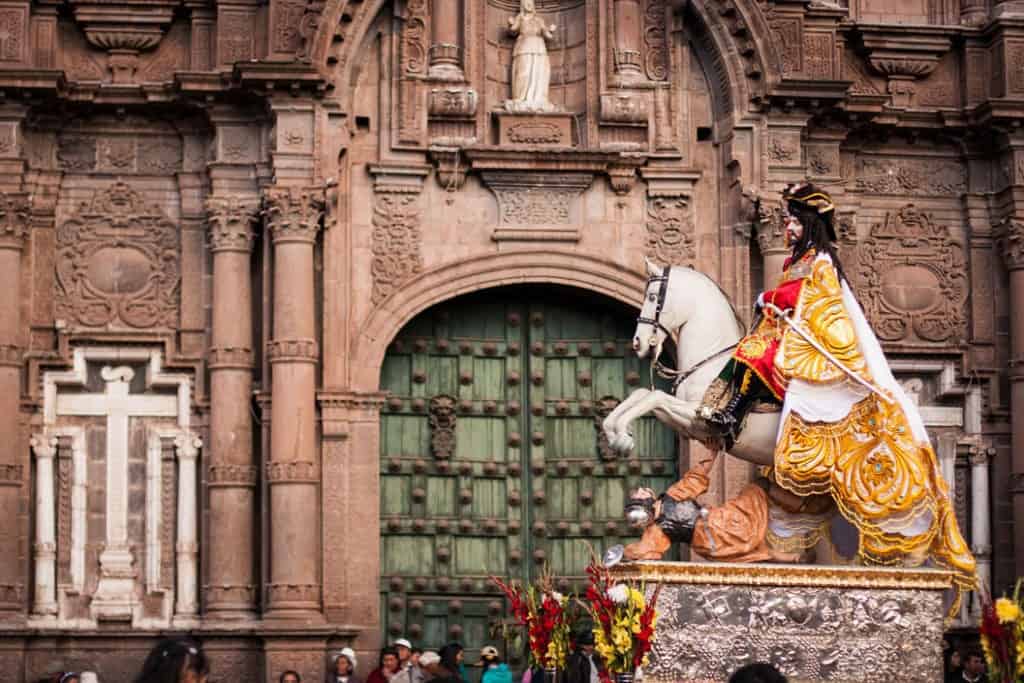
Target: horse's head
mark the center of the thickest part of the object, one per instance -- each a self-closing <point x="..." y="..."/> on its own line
<point x="657" y="318"/>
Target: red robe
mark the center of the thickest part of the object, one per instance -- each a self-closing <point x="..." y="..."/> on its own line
<point x="758" y="349"/>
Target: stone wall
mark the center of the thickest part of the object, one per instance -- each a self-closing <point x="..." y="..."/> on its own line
<point x="247" y="201"/>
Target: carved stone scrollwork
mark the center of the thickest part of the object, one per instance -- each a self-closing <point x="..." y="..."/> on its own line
<point x="913" y="276"/>
<point x="231" y="222"/>
<point x="602" y="410"/>
<point x="14" y="215"/>
<point x="292" y="472"/>
<point x="232" y="475"/>
<point x="229" y="357"/>
<point x="118" y="227"/>
<point x="442" y="427"/>
<point x="453" y="102"/>
<point x="293" y="214"/>
<point x="655" y="41"/>
<point x="396" y="243"/>
<point x="1011" y="243"/>
<point x="670" y="231"/>
<point x="284" y="594"/>
<point x="293" y="351"/>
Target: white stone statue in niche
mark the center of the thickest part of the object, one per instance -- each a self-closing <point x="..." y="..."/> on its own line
<point x="531" y="67"/>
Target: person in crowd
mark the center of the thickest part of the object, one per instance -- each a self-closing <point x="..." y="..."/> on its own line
<point x="954" y="666"/>
<point x="451" y="662"/>
<point x="974" y="667"/>
<point x="343" y="668"/>
<point x="494" y="670"/>
<point x="758" y="673"/>
<point x="415" y="657"/>
<point x="387" y="668"/>
<point x="583" y="666"/>
<point x="289" y="676"/>
<point x="408" y="671"/>
<point x="435" y="671"/>
<point x="175" y="660"/>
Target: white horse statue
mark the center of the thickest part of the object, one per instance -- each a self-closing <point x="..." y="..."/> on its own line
<point x="705" y="328"/>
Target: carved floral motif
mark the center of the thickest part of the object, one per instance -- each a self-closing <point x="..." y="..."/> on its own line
<point x="12" y="31"/>
<point x="231" y="222"/>
<point x="118" y="263"/>
<point x="942" y="177"/>
<point x="913" y="279"/>
<point x="396" y="242"/>
<point x="293" y="214"/>
<point x="295" y="471"/>
<point x="442" y="427"/>
<point x="670" y="231"/>
<point x="655" y="43"/>
<point x="232" y="475"/>
<point x="14" y="215"/>
<point x="1011" y="243"/>
<point x="534" y="206"/>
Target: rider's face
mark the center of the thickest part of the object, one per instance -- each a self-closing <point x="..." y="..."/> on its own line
<point x="794" y="229"/>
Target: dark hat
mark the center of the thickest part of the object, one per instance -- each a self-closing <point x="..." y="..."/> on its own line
<point x="811" y="196"/>
<point x="815" y="199"/>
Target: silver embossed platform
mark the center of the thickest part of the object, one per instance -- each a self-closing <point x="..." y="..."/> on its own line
<point x="816" y="623"/>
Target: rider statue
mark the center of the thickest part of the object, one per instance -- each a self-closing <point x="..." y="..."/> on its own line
<point x="756" y="372"/>
<point x="847" y="431"/>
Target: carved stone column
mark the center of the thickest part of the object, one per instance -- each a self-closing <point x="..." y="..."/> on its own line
<point x="981" y="534"/>
<point x="446" y="40"/>
<point x="45" y="548"/>
<point x="14" y="221"/>
<point x="627" y="39"/>
<point x="1011" y="245"/>
<point x="187" y="549"/>
<point x="232" y="475"/>
<point x="293" y="220"/>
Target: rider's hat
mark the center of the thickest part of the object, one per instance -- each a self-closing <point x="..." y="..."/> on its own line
<point x="816" y="199"/>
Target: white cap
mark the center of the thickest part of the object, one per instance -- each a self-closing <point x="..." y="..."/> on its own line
<point x="429" y="659"/>
<point x="402" y="642"/>
<point x="349" y="654"/>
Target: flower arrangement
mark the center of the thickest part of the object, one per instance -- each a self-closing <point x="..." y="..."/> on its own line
<point x="624" y="620"/>
<point x="544" y="613"/>
<point x="1002" y="637"/>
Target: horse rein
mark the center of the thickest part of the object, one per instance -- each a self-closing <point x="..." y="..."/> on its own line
<point x="665" y="372"/>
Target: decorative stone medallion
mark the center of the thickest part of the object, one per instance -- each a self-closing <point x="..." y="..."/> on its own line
<point x="118" y="263"/>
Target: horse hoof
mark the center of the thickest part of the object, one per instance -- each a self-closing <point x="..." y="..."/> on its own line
<point x="623" y="443"/>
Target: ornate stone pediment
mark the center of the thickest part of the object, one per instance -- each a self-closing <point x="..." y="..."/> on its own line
<point x="118" y="263"/>
<point x="913" y="280"/>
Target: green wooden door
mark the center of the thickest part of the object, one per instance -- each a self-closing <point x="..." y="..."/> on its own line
<point x="491" y="457"/>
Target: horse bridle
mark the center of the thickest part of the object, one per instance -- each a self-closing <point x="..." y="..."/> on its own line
<point x="660" y="303"/>
<point x="677" y="376"/>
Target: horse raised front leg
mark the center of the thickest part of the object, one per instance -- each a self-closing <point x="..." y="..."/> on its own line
<point x="619" y="437"/>
<point x="678" y="414"/>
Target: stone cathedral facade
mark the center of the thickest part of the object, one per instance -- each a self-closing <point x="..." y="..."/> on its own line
<point x="304" y="331"/>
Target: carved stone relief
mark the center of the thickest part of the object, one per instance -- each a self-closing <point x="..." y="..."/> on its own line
<point x="788" y="32"/>
<point x="118" y="263"/>
<point x="147" y="154"/>
<point x="396" y="243"/>
<point x="670" y="231"/>
<point x="13" y="32"/>
<point x="913" y="279"/>
<point x="442" y="427"/>
<point x="939" y="177"/>
<point x="784" y="148"/>
<point x="655" y="41"/>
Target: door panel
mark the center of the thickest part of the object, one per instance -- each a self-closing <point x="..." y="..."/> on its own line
<point x="490" y="454"/>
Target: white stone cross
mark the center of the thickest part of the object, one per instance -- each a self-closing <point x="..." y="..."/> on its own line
<point x="114" y="596"/>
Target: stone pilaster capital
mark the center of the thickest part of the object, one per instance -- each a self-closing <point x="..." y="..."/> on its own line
<point x="188" y="446"/>
<point x="43" y="446"/>
<point x="14" y="220"/>
<point x="980" y="455"/>
<point x="293" y="214"/>
<point x="230" y="219"/>
<point x="1010" y="240"/>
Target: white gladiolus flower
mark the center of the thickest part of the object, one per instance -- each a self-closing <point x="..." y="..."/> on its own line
<point x="618" y="594"/>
